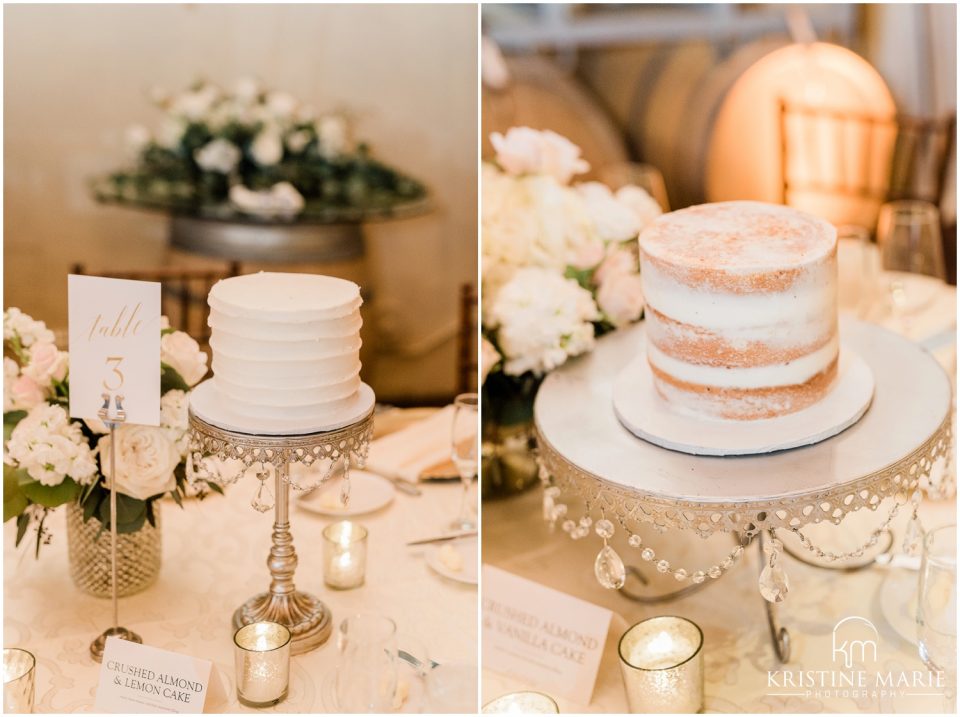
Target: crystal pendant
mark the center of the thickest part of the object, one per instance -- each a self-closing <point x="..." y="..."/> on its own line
<point x="609" y="569"/>
<point x="263" y="500"/>
<point x="774" y="584"/>
<point x="913" y="537"/>
<point x="345" y="490"/>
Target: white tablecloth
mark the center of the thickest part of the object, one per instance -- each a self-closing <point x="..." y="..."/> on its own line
<point x="214" y="558"/>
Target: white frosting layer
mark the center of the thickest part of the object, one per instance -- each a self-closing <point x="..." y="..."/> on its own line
<point x="286" y="345"/>
<point x="791" y="373"/>
<point x="805" y="307"/>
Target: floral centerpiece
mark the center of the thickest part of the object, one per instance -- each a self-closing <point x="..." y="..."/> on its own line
<point x="560" y="268"/>
<point x="52" y="460"/>
<point x="254" y="152"/>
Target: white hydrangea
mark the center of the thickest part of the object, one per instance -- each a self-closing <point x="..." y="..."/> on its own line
<point x="640" y="203"/>
<point x="332" y="135"/>
<point x="297" y="141"/>
<point x="50" y="447"/>
<point x="18" y="324"/>
<point x="174" y="420"/>
<point x="267" y="147"/>
<point x="613" y="220"/>
<point x="542" y="319"/>
<point x="218" y="155"/>
<point x="523" y="150"/>
<point x="193" y="105"/>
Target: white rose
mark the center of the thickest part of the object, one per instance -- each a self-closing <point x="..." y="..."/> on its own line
<point x="49" y="447"/>
<point x="644" y="207"/>
<point x="281" y="105"/>
<point x="332" y="135"/>
<point x="621" y="298"/>
<point x="281" y="200"/>
<point x="47" y="364"/>
<point x="528" y="151"/>
<point x="267" y="147"/>
<point x="181" y="353"/>
<point x="246" y="90"/>
<point x="489" y="357"/>
<point x="194" y="104"/>
<point x="11" y="370"/>
<point x="16" y="323"/>
<point x="613" y="220"/>
<point x="136" y="138"/>
<point x="298" y="141"/>
<point x="145" y="461"/>
<point x="171" y="132"/>
<point x="174" y="418"/>
<point x="218" y="155"/>
<point x="541" y="319"/>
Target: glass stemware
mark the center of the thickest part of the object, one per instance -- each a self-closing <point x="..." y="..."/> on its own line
<point x="366" y="679"/>
<point x="937" y="607"/>
<point x="464" y="448"/>
<point x="908" y="234"/>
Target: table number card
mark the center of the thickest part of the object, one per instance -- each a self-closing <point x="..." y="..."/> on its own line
<point x="139" y="679"/>
<point x="542" y="636"/>
<point x="114" y="346"/>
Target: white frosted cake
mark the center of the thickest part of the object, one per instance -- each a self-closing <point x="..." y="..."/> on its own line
<point x="286" y="346"/>
<point x="741" y="308"/>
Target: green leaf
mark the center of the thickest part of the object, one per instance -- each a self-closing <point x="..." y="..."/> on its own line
<point x="49" y="496"/>
<point x="10" y="421"/>
<point x="23" y="522"/>
<point x="14" y="501"/>
<point x="170" y="379"/>
<point x="131" y="513"/>
<point x="215" y="487"/>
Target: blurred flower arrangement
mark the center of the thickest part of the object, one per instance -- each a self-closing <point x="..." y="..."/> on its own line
<point x="51" y="460"/>
<point x="254" y="152"/>
<point x="560" y="261"/>
<point x="560" y="268"/>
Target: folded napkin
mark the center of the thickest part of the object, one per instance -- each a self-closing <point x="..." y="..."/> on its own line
<point x="419" y="451"/>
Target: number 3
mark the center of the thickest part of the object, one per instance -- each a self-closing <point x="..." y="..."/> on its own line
<point x="114" y="363"/>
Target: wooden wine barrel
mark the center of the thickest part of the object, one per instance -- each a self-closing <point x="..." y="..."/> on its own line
<point x="710" y="120"/>
<point x="540" y="95"/>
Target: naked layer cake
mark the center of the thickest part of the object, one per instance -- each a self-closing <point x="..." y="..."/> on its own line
<point x="286" y="345"/>
<point x="741" y="308"/>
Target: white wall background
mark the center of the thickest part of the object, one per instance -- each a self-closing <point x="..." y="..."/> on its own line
<point x="76" y="76"/>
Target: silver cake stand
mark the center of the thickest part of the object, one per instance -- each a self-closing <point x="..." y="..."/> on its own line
<point x="305" y="615"/>
<point x="590" y="462"/>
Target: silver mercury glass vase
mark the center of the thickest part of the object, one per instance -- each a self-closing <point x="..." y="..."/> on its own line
<point x="88" y="548"/>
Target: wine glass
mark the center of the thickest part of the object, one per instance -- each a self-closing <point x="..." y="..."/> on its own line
<point x="937" y="607"/>
<point x="463" y="441"/>
<point x="366" y="677"/>
<point x="908" y="234"/>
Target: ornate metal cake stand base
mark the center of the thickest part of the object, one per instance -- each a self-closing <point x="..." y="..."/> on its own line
<point x="308" y="619"/>
<point x="100" y="644"/>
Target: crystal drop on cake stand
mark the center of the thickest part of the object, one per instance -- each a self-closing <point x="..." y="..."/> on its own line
<point x="609" y="569"/>
<point x="913" y="537"/>
<point x="774" y="584"/>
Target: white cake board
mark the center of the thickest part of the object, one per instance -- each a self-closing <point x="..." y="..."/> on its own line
<point x="205" y="403"/>
<point x="647" y="415"/>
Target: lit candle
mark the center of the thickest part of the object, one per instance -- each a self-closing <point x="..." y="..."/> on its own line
<point x="522" y="703"/>
<point x="262" y="661"/>
<point x="661" y="660"/>
<point x="344" y="555"/>
<point x="19" y="676"/>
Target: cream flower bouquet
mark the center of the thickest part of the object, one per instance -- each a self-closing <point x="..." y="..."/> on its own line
<point x="51" y="460"/>
<point x="560" y="268"/>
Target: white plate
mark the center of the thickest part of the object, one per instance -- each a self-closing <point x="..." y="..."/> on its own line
<point x="467" y="548"/>
<point x="645" y="414"/>
<point x="368" y="492"/>
<point x="898" y="602"/>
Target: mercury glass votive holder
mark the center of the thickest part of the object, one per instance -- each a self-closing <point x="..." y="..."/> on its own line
<point x="19" y="680"/>
<point x="344" y="555"/>
<point x="661" y="660"/>
<point x="262" y="660"/>
<point x="522" y="703"/>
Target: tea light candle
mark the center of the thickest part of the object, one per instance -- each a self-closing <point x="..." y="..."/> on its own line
<point x="344" y="555"/>
<point x="262" y="661"/>
<point x="18" y="680"/>
<point x="661" y="660"/>
<point x="522" y="703"/>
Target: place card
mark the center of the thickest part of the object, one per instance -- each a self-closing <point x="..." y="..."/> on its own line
<point x="114" y="346"/>
<point x="140" y="679"/>
<point x="543" y="637"/>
